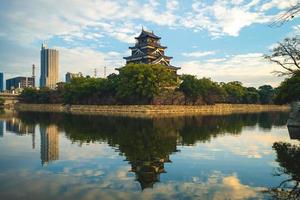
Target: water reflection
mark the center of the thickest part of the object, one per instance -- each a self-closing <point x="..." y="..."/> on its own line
<point x="145" y="143"/>
<point x="49" y="143"/>
<point x="288" y="157"/>
<point x="294" y="132"/>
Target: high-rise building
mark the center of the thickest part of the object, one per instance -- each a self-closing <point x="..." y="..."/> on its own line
<point x="19" y="83"/>
<point x="1" y="128"/>
<point x="49" y="67"/>
<point x="70" y="76"/>
<point x="1" y="82"/>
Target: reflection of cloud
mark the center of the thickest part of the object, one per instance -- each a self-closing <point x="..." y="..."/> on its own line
<point x="45" y="185"/>
<point x="250" y="144"/>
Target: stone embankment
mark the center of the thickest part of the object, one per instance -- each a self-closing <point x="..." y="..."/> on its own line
<point x="140" y="110"/>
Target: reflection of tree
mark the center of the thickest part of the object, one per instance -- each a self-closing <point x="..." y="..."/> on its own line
<point x="288" y="157"/>
<point x="147" y="143"/>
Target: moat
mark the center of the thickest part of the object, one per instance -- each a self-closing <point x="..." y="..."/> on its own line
<point x="64" y="156"/>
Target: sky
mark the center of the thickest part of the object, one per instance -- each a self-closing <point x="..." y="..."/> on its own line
<point x="222" y="39"/>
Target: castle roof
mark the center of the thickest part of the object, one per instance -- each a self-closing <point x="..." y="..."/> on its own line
<point x="147" y="34"/>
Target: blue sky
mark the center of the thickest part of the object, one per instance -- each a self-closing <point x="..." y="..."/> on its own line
<point x="222" y="39"/>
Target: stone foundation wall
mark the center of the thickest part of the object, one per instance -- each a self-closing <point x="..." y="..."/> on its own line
<point x="151" y="109"/>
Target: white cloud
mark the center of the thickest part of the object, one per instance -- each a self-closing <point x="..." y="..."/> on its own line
<point x="224" y="17"/>
<point x="85" y="60"/>
<point x="280" y="4"/>
<point x="251" y="69"/>
<point x="41" y="20"/>
<point x="199" y="53"/>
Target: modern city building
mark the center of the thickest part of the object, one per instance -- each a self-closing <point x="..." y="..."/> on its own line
<point x="49" y="67"/>
<point x="70" y="76"/>
<point x="1" y="82"/>
<point x="1" y="128"/>
<point x="19" y="83"/>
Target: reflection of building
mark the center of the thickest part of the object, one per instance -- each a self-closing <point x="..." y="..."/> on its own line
<point x="19" y="82"/>
<point x="70" y="76"/>
<point x="1" y="128"/>
<point x="294" y="132"/>
<point x="148" y="172"/>
<point x="15" y="125"/>
<point x="49" y="144"/>
<point x="49" y="67"/>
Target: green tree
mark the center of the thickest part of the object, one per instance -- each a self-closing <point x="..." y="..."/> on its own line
<point x="289" y="90"/>
<point x="235" y="91"/>
<point x="29" y="95"/>
<point x="266" y="94"/>
<point x="204" y="88"/>
<point x="139" y="83"/>
<point x="251" y="95"/>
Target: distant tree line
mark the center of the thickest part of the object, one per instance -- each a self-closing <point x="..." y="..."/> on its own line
<point x="149" y="84"/>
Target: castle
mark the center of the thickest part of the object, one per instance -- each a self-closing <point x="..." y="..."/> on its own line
<point x="148" y="50"/>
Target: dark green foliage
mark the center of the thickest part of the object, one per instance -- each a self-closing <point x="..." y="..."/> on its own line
<point x="44" y="95"/>
<point x="85" y="90"/>
<point x="149" y="84"/>
<point x="235" y="91"/>
<point x="139" y="83"/>
<point x="289" y="90"/>
<point x="266" y="93"/>
<point x="251" y="95"/>
<point x="205" y="89"/>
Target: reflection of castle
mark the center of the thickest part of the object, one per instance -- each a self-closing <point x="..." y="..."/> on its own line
<point x="49" y="144"/>
<point x="148" y="172"/>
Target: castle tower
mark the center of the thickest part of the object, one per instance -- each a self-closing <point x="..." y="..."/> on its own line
<point x="148" y="50"/>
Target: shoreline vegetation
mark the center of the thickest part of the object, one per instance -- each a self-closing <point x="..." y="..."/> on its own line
<point x="152" y="110"/>
<point x="149" y="84"/>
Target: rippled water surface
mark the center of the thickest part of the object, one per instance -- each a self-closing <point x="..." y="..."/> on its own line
<point x="59" y="156"/>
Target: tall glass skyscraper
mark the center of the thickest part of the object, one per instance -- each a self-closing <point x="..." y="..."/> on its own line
<point x="1" y="82"/>
<point x="49" y="67"/>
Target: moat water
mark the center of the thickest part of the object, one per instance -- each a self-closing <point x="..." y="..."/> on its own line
<point x="61" y="156"/>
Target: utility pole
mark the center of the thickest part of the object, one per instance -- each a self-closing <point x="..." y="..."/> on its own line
<point x="95" y="72"/>
<point x="104" y="71"/>
<point x="33" y="71"/>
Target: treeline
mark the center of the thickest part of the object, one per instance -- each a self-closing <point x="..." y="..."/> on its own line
<point x="149" y="84"/>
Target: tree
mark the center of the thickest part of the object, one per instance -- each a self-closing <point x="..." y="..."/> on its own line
<point x="235" y="91"/>
<point x="29" y="95"/>
<point x="251" y="95"/>
<point x="289" y="90"/>
<point x="139" y="83"/>
<point x="287" y="55"/>
<point x="204" y="88"/>
<point x="189" y="86"/>
<point x="83" y="90"/>
<point x="266" y="94"/>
